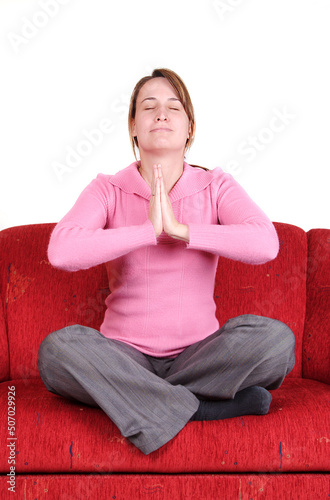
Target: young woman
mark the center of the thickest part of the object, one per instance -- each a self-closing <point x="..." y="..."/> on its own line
<point x="160" y="359"/>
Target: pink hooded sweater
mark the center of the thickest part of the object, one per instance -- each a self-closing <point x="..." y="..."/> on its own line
<point x="161" y="298"/>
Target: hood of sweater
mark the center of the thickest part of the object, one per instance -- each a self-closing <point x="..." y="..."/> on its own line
<point x="192" y="180"/>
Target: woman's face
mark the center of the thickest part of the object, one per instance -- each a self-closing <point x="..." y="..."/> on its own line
<point x="161" y="123"/>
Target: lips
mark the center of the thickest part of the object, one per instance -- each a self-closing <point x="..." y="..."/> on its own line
<point x="161" y="129"/>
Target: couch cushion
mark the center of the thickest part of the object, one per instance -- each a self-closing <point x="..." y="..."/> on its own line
<point x="316" y="346"/>
<point x="4" y="351"/>
<point x="57" y="435"/>
<point x="276" y="289"/>
<point x="39" y="299"/>
<point x="171" y="487"/>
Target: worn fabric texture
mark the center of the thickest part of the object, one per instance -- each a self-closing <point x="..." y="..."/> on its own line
<point x="237" y="456"/>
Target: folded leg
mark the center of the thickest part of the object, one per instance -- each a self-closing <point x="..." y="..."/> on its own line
<point x="80" y="363"/>
<point x="238" y="362"/>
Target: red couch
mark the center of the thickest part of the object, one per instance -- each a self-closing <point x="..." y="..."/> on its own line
<point x="65" y="450"/>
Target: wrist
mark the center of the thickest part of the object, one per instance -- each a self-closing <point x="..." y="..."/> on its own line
<point x="180" y="232"/>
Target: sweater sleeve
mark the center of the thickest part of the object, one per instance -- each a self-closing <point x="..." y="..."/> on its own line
<point x="243" y="232"/>
<point x="80" y="240"/>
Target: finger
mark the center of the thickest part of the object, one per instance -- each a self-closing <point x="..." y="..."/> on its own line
<point x="163" y="192"/>
<point x="155" y="212"/>
<point x="155" y="198"/>
<point x="161" y="184"/>
<point x="153" y="180"/>
<point x="167" y="209"/>
<point x="155" y="171"/>
<point x="166" y="205"/>
<point x="157" y="188"/>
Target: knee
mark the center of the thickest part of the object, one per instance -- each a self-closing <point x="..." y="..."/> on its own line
<point x="46" y="357"/>
<point x="288" y="341"/>
<point x="281" y="341"/>
<point x="50" y="346"/>
<point x="283" y="335"/>
<point x="52" y="354"/>
<point x="58" y="341"/>
<point x="270" y="331"/>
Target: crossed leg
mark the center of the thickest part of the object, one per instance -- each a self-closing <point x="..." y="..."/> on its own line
<point x="79" y="363"/>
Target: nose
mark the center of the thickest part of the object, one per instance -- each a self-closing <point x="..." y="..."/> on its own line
<point x="161" y="115"/>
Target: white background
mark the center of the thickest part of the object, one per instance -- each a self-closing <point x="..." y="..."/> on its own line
<point x="67" y="65"/>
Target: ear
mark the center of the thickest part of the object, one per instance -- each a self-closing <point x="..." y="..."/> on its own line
<point x="133" y="128"/>
<point x="191" y="130"/>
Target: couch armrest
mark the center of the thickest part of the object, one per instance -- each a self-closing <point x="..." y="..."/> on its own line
<point x="316" y="341"/>
<point x="4" y="344"/>
<point x="4" y="351"/>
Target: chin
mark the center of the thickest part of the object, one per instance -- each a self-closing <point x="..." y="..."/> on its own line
<point x="162" y="147"/>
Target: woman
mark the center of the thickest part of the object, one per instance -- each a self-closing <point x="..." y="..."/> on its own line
<point x="160" y="359"/>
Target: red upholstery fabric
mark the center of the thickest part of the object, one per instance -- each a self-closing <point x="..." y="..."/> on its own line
<point x="167" y="487"/>
<point x="276" y="289"/>
<point x="250" y="457"/>
<point x="39" y="299"/>
<point x="4" y="353"/>
<point x="316" y="346"/>
<point x="293" y="437"/>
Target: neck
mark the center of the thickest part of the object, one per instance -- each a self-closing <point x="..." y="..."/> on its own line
<point x="172" y="168"/>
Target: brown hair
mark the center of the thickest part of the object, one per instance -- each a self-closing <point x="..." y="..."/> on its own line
<point x="182" y="92"/>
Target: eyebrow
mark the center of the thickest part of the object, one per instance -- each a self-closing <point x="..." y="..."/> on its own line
<point x="155" y="99"/>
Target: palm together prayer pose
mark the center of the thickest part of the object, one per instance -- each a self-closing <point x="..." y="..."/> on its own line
<point x="160" y="358"/>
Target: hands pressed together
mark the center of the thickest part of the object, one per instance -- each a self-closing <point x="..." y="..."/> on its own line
<point x="161" y="212"/>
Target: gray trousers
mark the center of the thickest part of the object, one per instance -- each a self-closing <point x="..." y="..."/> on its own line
<point x="151" y="399"/>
